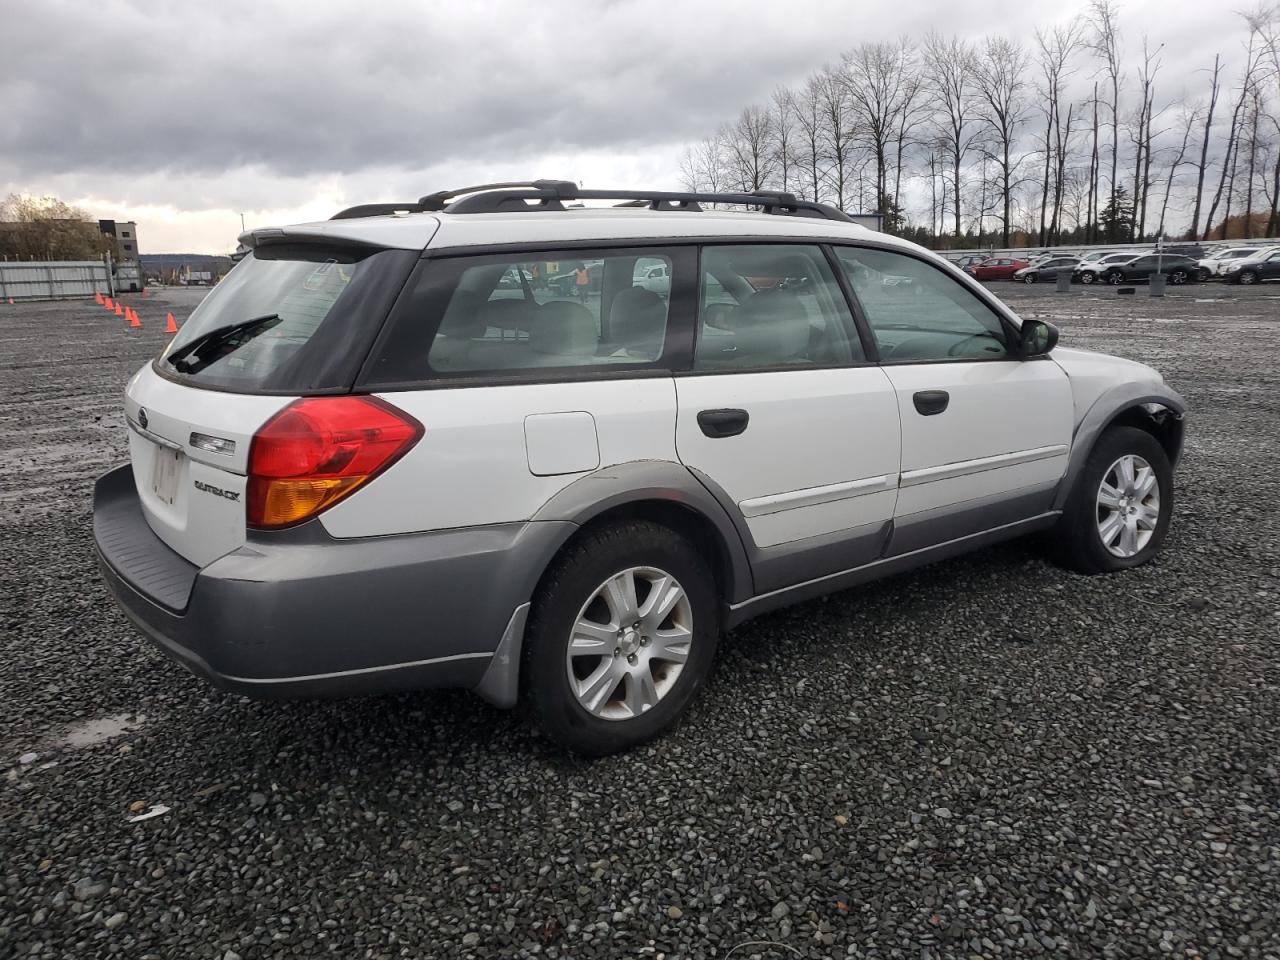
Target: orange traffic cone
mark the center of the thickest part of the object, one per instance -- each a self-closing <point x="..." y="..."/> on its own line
<point x="119" y="311"/>
<point x="97" y="295"/>
<point x="133" y="319"/>
<point x="106" y="302"/>
<point x="169" y="325"/>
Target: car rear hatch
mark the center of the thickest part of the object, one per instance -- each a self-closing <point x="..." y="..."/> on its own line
<point x="291" y="320"/>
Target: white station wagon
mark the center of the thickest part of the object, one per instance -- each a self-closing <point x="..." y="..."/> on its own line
<point x="494" y="441"/>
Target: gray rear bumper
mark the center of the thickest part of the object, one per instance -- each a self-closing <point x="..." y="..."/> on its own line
<point x="299" y="613"/>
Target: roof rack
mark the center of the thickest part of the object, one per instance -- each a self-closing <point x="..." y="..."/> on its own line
<point x="552" y="194"/>
<point x="540" y="195"/>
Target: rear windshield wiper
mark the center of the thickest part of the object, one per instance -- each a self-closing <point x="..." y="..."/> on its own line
<point x="220" y="335"/>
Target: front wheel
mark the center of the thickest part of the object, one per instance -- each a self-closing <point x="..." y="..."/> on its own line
<point x="1118" y="512"/>
<point x="1088" y="277"/>
<point x="1030" y="278"/>
<point x="621" y="637"/>
<point x="1248" y="277"/>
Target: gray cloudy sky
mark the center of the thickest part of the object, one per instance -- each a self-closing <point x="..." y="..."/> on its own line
<point x="181" y="115"/>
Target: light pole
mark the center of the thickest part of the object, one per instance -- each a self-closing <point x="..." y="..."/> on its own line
<point x="242" y="223"/>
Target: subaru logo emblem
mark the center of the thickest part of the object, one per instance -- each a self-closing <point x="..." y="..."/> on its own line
<point x="142" y="418"/>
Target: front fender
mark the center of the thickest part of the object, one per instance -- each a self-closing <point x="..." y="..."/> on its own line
<point x="1105" y="409"/>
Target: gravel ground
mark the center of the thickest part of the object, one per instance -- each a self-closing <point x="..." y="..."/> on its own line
<point x="989" y="757"/>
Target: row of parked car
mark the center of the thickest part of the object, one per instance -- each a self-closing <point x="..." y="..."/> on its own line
<point x="1184" y="263"/>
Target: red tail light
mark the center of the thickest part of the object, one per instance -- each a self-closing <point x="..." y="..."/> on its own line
<point x="318" y="450"/>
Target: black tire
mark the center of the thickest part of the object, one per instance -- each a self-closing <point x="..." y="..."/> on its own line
<point x="570" y="583"/>
<point x="1115" y="278"/>
<point x="1178" y="277"/>
<point x="1203" y="276"/>
<point x="1088" y="276"/>
<point x="1075" y="541"/>
<point x="1248" y="277"/>
<point x="1029" y="278"/>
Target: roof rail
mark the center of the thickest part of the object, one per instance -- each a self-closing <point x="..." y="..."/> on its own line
<point x="440" y="199"/>
<point x="538" y="195"/>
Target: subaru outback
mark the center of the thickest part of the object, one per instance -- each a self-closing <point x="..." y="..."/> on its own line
<point x="386" y="452"/>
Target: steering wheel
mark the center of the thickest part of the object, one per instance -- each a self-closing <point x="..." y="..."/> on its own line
<point x="954" y="349"/>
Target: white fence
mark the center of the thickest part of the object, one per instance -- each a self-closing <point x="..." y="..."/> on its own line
<point x="53" y="280"/>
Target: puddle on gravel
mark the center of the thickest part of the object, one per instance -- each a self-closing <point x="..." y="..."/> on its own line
<point x="92" y="732"/>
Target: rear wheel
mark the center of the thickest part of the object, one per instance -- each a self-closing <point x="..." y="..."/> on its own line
<point x="1115" y="278"/>
<point x="621" y="637"/>
<point x="1204" y="275"/>
<point x="1178" y="276"/>
<point x="1029" y="278"/>
<point x="1118" y="513"/>
<point x="1088" y="277"/>
<point x="1248" y="277"/>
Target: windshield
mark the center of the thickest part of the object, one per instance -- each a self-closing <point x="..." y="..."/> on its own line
<point x="288" y="318"/>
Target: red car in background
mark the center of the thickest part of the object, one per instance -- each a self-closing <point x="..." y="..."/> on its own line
<point x="996" y="268"/>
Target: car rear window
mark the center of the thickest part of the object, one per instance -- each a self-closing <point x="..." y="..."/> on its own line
<point x="289" y="318"/>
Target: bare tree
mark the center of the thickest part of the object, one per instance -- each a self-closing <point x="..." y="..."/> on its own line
<point x="1190" y="117"/>
<point x="1254" y="49"/>
<point x="1091" y="223"/>
<point x="1105" y="44"/>
<point x="1062" y="150"/>
<point x="749" y="145"/>
<point x="1142" y="137"/>
<point x="1055" y="50"/>
<point x="881" y="91"/>
<point x="837" y="130"/>
<point x="704" y="167"/>
<point x="1215" y="89"/>
<point x="1002" y="108"/>
<point x="1271" y="37"/>
<point x="949" y="68"/>
<point x="914" y="110"/>
<point x="782" y="111"/>
<point x="809" y="127"/>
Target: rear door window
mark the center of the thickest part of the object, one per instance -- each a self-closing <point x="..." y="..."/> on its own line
<point x="533" y="314"/>
<point x="289" y="319"/>
<point x="772" y="305"/>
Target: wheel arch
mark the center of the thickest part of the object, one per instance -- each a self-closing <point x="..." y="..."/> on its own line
<point x="658" y="491"/>
<point x="662" y="492"/>
<point x="1160" y="412"/>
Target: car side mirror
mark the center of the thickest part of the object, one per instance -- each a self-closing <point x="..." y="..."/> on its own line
<point x="1037" y="338"/>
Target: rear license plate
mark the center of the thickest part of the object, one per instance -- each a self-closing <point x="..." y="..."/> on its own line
<point x="164" y="474"/>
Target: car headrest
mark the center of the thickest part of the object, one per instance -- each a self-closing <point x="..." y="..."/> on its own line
<point x="510" y="314"/>
<point x="462" y="317"/>
<point x="772" y="325"/>
<point x="565" y="329"/>
<point x="638" y="321"/>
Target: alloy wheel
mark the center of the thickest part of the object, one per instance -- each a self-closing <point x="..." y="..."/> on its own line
<point x="629" y="643"/>
<point x="1128" y="506"/>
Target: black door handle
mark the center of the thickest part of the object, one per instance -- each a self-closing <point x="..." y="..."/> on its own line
<point x="931" y="402"/>
<point x="723" y="423"/>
